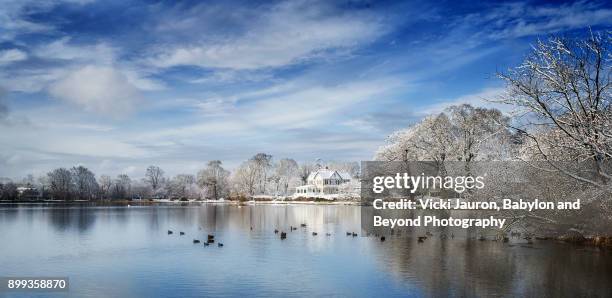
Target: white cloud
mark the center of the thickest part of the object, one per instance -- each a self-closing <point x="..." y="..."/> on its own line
<point x="287" y="34"/>
<point x="101" y="53"/>
<point x="278" y="108"/>
<point x="13" y="22"/>
<point x="12" y="55"/>
<point x="517" y="19"/>
<point x="232" y="76"/>
<point x="309" y="105"/>
<point x="29" y="80"/>
<point x="100" y="89"/>
<point x="482" y="98"/>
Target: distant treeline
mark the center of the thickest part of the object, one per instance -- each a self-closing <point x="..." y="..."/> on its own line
<point x="259" y="175"/>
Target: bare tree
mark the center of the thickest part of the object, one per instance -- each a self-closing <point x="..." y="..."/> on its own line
<point x="84" y="182"/>
<point x="60" y="182"/>
<point x="214" y="177"/>
<point x="473" y="127"/>
<point x="43" y="184"/>
<point x="122" y="187"/>
<point x="458" y="134"/>
<point x="8" y="190"/>
<point x="154" y="176"/>
<point x="183" y="186"/>
<point x="263" y="163"/>
<point x="562" y="91"/>
<point x="432" y="139"/>
<point x="286" y="169"/>
<point x="106" y="183"/>
<point x="304" y="171"/>
<point x="246" y="177"/>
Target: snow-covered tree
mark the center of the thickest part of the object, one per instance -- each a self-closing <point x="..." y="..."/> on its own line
<point x="245" y="178"/>
<point x="304" y="170"/>
<point x="183" y="186"/>
<point x="263" y="164"/>
<point x="460" y="133"/>
<point x="154" y="176"/>
<point x="563" y="93"/>
<point x="286" y="172"/>
<point x="215" y="179"/>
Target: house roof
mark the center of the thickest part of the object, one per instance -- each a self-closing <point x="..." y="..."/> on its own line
<point x="326" y="174"/>
<point x="345" y="175"/>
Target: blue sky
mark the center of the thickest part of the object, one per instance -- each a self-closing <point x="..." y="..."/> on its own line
<point x="119" y="85"/>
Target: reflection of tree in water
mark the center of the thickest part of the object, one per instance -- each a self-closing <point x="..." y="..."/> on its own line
<point x="459" y="267"/>
<point x="9" y="214"/>
<point x="76" y="218"/>
<point x="153" y="219"/>
<point x="213" y="217"/>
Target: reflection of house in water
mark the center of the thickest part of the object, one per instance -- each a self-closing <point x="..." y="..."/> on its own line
<point x="323" y="182"/>
<point x="28" y="193"/>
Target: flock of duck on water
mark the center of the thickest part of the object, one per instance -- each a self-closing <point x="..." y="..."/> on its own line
<point x="283" y="235"/>
<point x="210" y="239"/>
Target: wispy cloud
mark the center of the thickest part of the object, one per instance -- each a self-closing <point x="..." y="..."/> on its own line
<point x="288" y="33"/>
<point x="520" y="19"/>
<point x="486" y="97"/>
<point x="12" y="55"/>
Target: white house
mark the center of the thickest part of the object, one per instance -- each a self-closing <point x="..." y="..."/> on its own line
<point x="322" y="182"/>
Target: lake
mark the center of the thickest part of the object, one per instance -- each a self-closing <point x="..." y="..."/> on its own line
<point x="126" y="252"/>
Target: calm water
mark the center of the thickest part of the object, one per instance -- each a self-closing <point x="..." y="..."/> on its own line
<point x="122" y="252"/>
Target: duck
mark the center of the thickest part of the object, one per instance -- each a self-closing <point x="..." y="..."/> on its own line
<point x="220" y="244"/>
<point x="181" y="233"/>
<point x="348" y="233"/>
<point x="303" y="225"/>
<point x="382" y="239"/>
<point x="170" y="232"/>
<point x="206" y="244"/>
<point x="327" y="234"/>
<point x="275" y="231"/>
<point x="196" y="241"/>
<point x="314" y="234"/>
<point x="421" y="239"/>
<point x="354" y="234"/>
<point x="283" y="235"/>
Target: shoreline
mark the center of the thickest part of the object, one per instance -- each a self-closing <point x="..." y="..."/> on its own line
<point x="178" y="202"/>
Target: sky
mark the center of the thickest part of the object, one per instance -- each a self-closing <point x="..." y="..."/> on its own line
<point x="119" y="85"/>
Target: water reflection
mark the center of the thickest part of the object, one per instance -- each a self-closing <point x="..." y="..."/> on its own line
<point x="120" y="251"/>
